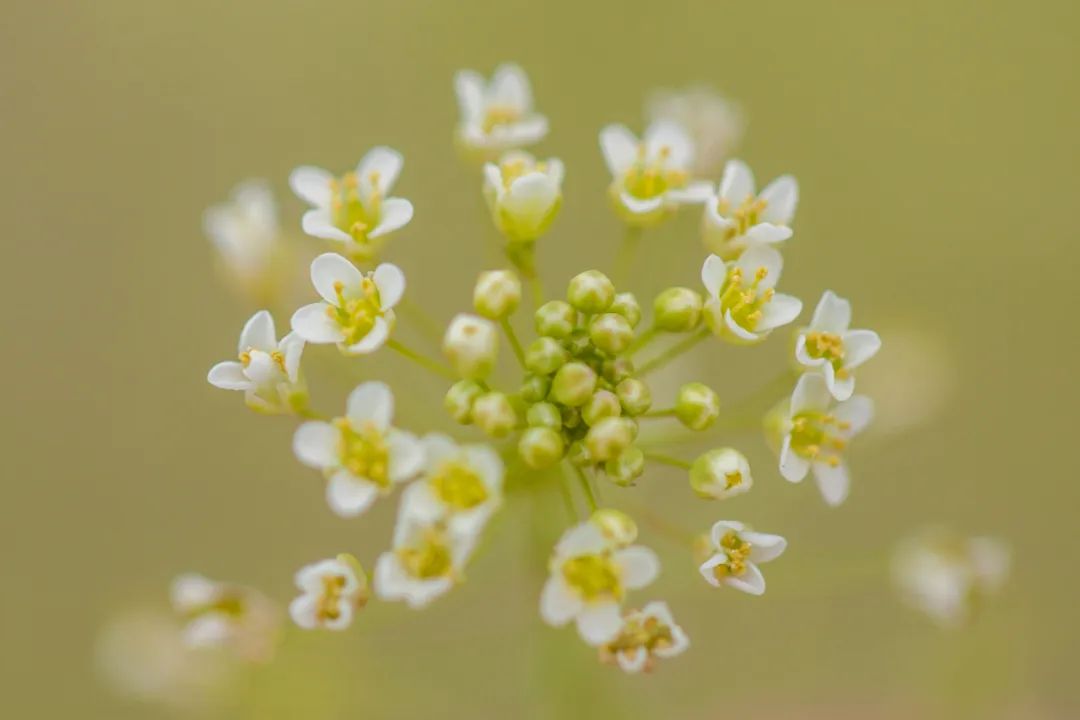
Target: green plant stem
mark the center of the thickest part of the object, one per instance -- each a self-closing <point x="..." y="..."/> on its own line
<point x="624" y="261"/>
<point x="519" y="353"/>
<point x="586" y="488"/>
<point x="665" y="413"/>
<point x="537" y="291"/>
<point x="667" y="460"/>
<point x="642" y="341"/>
<point x="672" y="352"/>
<point x="568" y="497"/>
<point x="424" y="362"/>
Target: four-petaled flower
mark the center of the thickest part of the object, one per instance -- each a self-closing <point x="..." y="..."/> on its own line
<point x="461" y="484"/>
<point x="743" y="304"/>
<point x="268" y="371"/>
<point x="816" y="431"/>
<point x="589" y="579"/>
<point x="714" y="122"/>
<point x="524" y="195"/>
<point x="830" y="346"/>
<point x="357" y="312"/>
<point x="221" y="614"/>
<point x="737" y="218"/>
<point x="497" y="116"/>
<point x="646" y="635"/>
<point x="737" y="551"/>
<point x="354" y="209"/>
<point x="331" y="591"/>
<point x="361" y="454"/>
<point x="247" y="235"/>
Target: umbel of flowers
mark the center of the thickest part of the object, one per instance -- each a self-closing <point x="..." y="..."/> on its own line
<point x="574" y="415"/>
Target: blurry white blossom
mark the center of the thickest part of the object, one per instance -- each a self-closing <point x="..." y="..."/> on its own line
<point x="460" y="484"/>
<point x="715" y="123"/>
<point x="737" y="550"/>
<point x="268" y="370"/>
<point x="497" y="116"/>
<point x="830" y="346"/>
<point x="221" y="614"/>
<point x="246" y="233"/>
<point x="332" y="591"/>
<point x="646" y="635"/>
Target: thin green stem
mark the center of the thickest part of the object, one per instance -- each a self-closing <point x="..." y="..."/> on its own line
<point x="568" y="497"/>
<point x="665" y="413"/>
<point x="624" y="261"/>
<point x="424" y="362"/>
<point x="586" y="487"/>
<point x="642" y="341"/>
<point x="519" y="353"/>
<point x="537" y="291"/>
<point x="667" y="460"/>
<point x="672" y="352"/>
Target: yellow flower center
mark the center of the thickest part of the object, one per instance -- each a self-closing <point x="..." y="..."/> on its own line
<point x="814" y="435"/>
<point x="651" y="177"/>
<point x="429" y="557"/>
<point x="733" y="479"/>
<point x="276" y="356"/>
<point x="738" y="554"/>
<point x="364" y="452"/>
<point x="352" y="212"/>
<point x="745" y="215"/>
<point x="458" y="485"/>
<point x="648" y="633"/>
<point x="356" y="315"/>
<point x="595" y="577"/>
<point x="498" y="116"/>
<point x="745" y="301"/>
<point x="329" y="607"/>
<point x="829" y="346"/>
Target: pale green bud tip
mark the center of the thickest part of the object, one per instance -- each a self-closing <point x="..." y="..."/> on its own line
<point x="541" y="447"/>
<point x="720" y="473"/>
<point x="578" y="454"/>
<point x="574" y="384"/>
<point x="609" y="437"/>
<point x="494" y="414"/>
<point x="545" y="355"/>
<point x="602" y="404"/>
<point x="497" y="294"/>
<point x="471" y="344"/>
<point x="626" y="304"/>
<point x="535" y="388"/>
<point x="555" y="319"/>
<point x="634" y="396"/>
<point x="617" y="526"/>
<point x="591" y="292"/>
<point x="544" y="414"/>
<point x="627" y="467"/>
<point x="611" y="333"/>
<point x="460" y="398"/>
<point x="677" y="309"/>
<point x="697" y="406"/>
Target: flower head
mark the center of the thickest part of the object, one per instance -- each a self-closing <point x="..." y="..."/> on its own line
<point x="247" y="236"/>
<point x="816" y="431"/>
<point x="524" y="195"/>
<point x="361" y="454"/>
<point x="497" y="116"/>
<point x="828" y="345"/>
<point x="357" y="308"/>
<point x="736" y="217"/>
<point x="331" y="591"/>
<point x="267" y="370"/>
<point x="714" y="122"/>
<point x="354" y="209"/>
<point x="461" y="484"/>
<point x="589" y="578"/>
<point x="737" y="550"/>
<point x="219" y="614"/>
<point x="646" y="635"/>
<point x="743" y="305"/>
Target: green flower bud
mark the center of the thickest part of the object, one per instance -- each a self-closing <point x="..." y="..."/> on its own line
<point x="555" y="319"/>
<point x="677" y="309"/>
<point x="578" y="454"/>
<point x="618" y="527"/>
<point x="535" y="388"/>
<point x="609" y="437"/>
<point x="720" y="474"/>
<point x="541" y="447"/>
<point x="471" y="344"/>
<point x="571" y="418"/>
<point x="626" y="304"/>
<point x="497" y="294"/>
<point x="578" y="344"/>
<point x="574" y="384"/>
<point x="618" y="369"/>
<point x="697" y="406"/>
<point x="602" y="404"/>
<point x="626" y="468"/>
<point x="611" y="333"/>
<point x="460" y="398"/>
<point x="544" y="414"/>
<point x="634" y="395"/>
<point x="494" y="414"/>
<point x="545" y="355"/>
<point x="591" y="292"/>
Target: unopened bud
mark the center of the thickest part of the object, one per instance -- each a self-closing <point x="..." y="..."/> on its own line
<point x="544" y="414"/>
<point x="602" y="404"/>
<point x="555" y="319"/>
<point x="720" y="474"/>
<point x="626" y="468"/>
<point x="697" y="406"/>
<point x="591" y="292"/>
<point x="611" y="333"/>
<point x="497" y="294"/>
<point x="471" y="344"/>
<point x="545" y="355"/>
<point x="574" y="384"/>
<point x="634" y="395"/>
<point x="618" y="527"/>
<point x="609" y="437"/>
<point x="494" y="414"/>
<point x="541" y="447"/>
<point x="677" y="309"/>
<point x="626" y="304"/>
<point x="459" y="400"/>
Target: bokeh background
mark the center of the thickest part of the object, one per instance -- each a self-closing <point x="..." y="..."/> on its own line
<point x="935" y="144"/>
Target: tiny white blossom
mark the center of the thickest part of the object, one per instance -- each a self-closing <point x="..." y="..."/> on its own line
<point x="831" y="347"/>
<point x="715" y="123"/>
<point x="589" y="579"/>
<point x="736" y="217"/>
<point x="357" y="308"/>
<point x="737" y="552"/>
<point x="524" y="195"/>
<point x="224" y="614"/>
<point x="268" y="370"/>
<point x="332" y="591"/>
<point x="499" y="115"/>
<point x="471" y="344"/>
<point x="651" y="176"/>
<point x="646" y="635"/>
<point x="355" y="209"/>
<point x="246" y="233"/>
<point x="720" y="474"/>
<point x="743" y="305"/>
<point x="361" y="454"/>
<point x="460" y="485"/>
<point x="816" y="431"/>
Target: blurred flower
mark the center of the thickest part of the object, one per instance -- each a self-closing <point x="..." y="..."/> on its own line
<point x="589" y="579"/>
<point x="646" y="634"/>
<point x="246" y="233"/>
<point x="357" y="312"/>
<point x="524" y="195"/>
<point x="461" y="484"/>
<point x="947" y="576"/>
<point x="361" y="454"/>
<point x="471" y="344"/>
<point x="268" y="370"/>
<point x="830" y="346"/>
<point x="220" y="614"/>
<point x="737" y="550"/>
<point x="737" y="218"/>
<point x="354" y="209"/>
<point x="332" y="590"/>
<point x="743" y="306"/>
<point x="499" y="115"/>
<point x="714" y="122"/>
<point x="650" y="177"/>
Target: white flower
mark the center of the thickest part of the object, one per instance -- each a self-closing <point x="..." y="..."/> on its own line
<point x="268" y="371"/>
<point x="331" y="591"/>
<point x="524" y="195"/>
<point x="737" y="551"/>
<point x="645" y="635"/>
<point x="946" y="576"/>
<point x="471" y="344"/>
<point x="224" y="614"/>
<point x="816" y="432"/>
<point x="650" y="177"/>
<point x="357" y="312"/>
<point x="361" y="454"/>
<point x="737" y="218"/>
<point x="720" y="474"/>
<point x="355" y="209"/>
<point x="499" y="115"/>
<point x="715" y="123"/>
<point x="589" y="579"/>
<point x="830" y="346"/>
<point x="461" y="485"/>
<point x="743" y="305"/>
<point x="246" y="234"/>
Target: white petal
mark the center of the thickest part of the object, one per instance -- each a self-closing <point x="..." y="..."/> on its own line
<point x="802" y="355"/>
<point x="658" y="609"/>
<point x="258" y="333"/>
<point x="437" y="448"/>
<point x="738" y="330"/>
<point x="781" y="197"/>
<point x="312" y="185"/>
<point x="315" y="444"/>
<point x="558" y="603"/>
<point x="390" y="282"/>
<point x="793" y="467"/>
<point x="318" y="223"/>
<point x="420" y="593"/>
<point x="857" y="412"/>
<point x="329" y="269"/>
<point x="758" y="257"/>
<point x="303" y="611"/>
<point x="751" y="581"/>
<point x="721" y="528"/>
<point x="191" y="592"/>
<point x="639" y="564"/>
<point x="833" y="314"/>
<point x="229" y="376"/>
<point x="713" y="274"/>
<point x="639" y="206"/>
<point x="706" y="568"/>
<point x="619" y="147"/>
<point x="679" y="643"/>
<point x="833" y="482"/>
<point x="860" y="346"/>
<point x="556" y="171"/>
<point x="406" y="456"/>
<point x="767" y="233"/>
<point x="395" y="214"/>
<point x="470" y="94"/>
<point x="692" y="194"/>
<point x="599" y="623"/>
<point x="292" y="347"/>
<point x="344" y="618"/>
<point x="488" y="464"/>
<point x="531" y="196"/>
<point x="386" y="163"/>
<point x="840" y="389"/>
<point x="583" y="539"/>
<point x="764" y="546"/>
<point x="525" y="132"/>
<point x="510" y="88"/>
<point x="632" y="660"/>
<point x="208" y="630"/>
<point x="779" y="311"/>
<point x="371" y="402"/>
<point x="670" y="136"/>
<point x="349" y="496"/>
<point x="737" y="183"/>
<point x="375" y="338"/>
<point x="313" y="324"/>
<point x="811" y="394"/>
